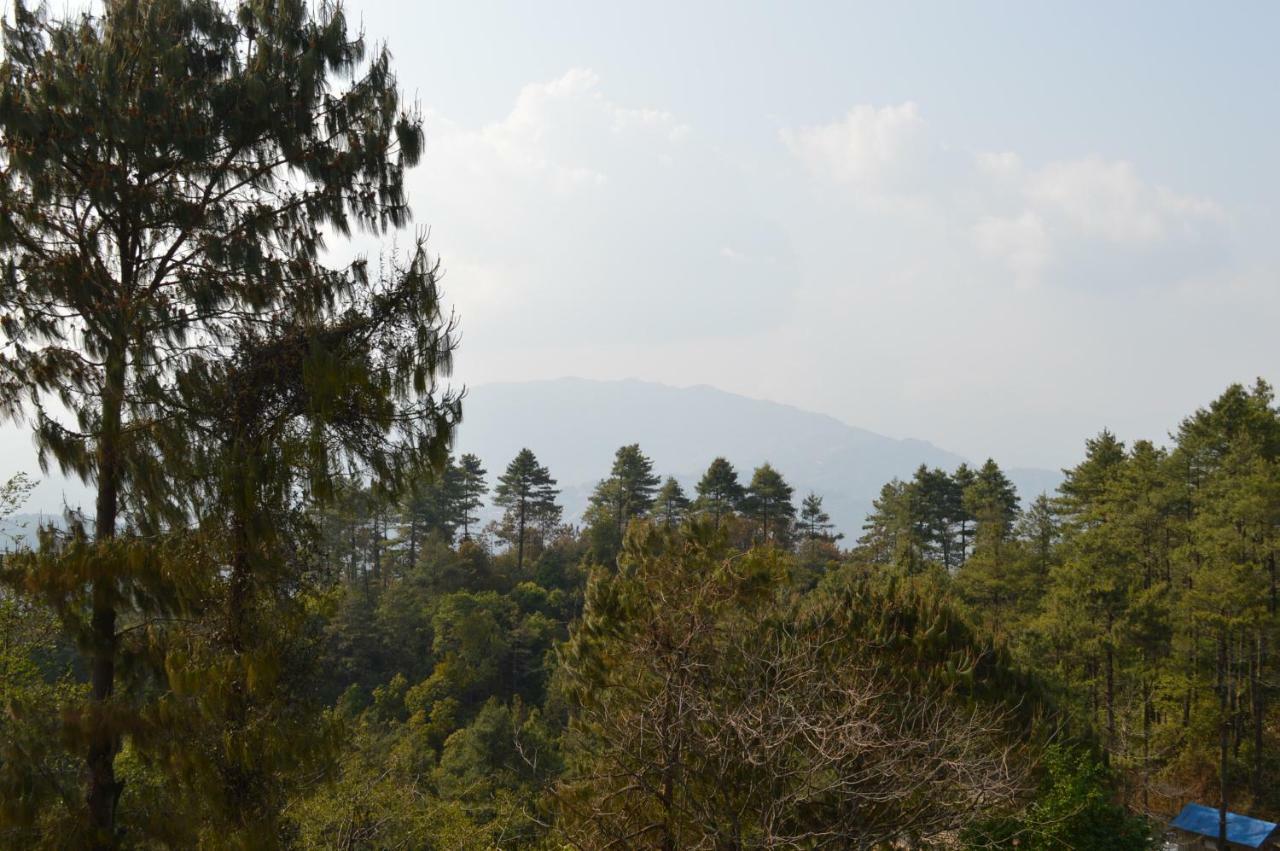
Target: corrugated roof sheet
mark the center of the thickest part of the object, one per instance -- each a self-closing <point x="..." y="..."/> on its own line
<point x="1241" y="830"/>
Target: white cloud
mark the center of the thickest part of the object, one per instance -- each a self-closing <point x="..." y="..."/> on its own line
<point x="887" y="280"/>
<point x="1003" y="165"/>
<point x="573" y="205"/>
<point x="868" y="145"/>
<point x="1079" y="222"/>
<point x="1021" y="243"/>
<point x="1108" y="200"/>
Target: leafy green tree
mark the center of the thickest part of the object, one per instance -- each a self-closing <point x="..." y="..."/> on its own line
<point x="670" y="506"/>
<point x="768" y="503"/>
<point x="528" y="494"/>
<point x="1074" y="808"/>
<point x="148" y="200"/>
<point x="719" y="491"/>
<point x="294" y="401"/>
<point x="34" y="676"/>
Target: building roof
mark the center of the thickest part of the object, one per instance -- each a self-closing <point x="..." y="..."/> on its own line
<point x="1241" y="830"/>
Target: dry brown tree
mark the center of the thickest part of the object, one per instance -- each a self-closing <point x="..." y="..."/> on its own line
<point x="715" y="710"/>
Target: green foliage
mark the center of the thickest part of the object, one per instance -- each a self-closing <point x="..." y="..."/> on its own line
<point x="170" y="169"/>
<point x="719" y="491"/>
<point x="281" y="628"/>
<point x="527" y="493"/>
<point x="941" y="519"/>
<point x="472" y="488"/>
<point x="1073" y="810"/>
<point x="626" y="494"/>
<point x="768" y="504"/>
<point x="670" y="506"/>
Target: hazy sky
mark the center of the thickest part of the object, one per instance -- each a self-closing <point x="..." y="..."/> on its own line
<point x="998" y="227"/>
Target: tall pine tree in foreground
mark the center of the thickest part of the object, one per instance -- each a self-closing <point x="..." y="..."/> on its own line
<point x="169" y="168"/>
<point x="262" y="433"/>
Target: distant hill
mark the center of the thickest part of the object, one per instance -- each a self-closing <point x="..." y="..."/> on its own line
<point x="574" y="426"/>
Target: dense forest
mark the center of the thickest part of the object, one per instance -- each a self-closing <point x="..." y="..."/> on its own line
<point x="288" y="620"/>
<point x="711" y="669"/>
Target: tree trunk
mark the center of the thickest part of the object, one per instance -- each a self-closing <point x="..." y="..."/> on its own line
<point x="1146" y="746"/>
<point x="1224" y="728"/>
<point x="103" y="790"/>
<point x="520" y="540"/>
<point x="1111" y="687"/>
<point x="377" y="549"/>
<point x="1259" y="714"/>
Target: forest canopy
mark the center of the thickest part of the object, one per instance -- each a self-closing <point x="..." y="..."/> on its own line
<point x="294" y="617"/>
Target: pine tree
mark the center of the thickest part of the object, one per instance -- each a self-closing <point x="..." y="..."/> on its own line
<point x="963" y="478"/>
<point x="295" y="400"/>
<point x="1038" y="528"/>
<point x="627" y="493"/>
<point x="1229" y="457"/>
<point x="671" y="506"/>
<point x="148" y="200"/>
<point x="474" y="487"/>
<point x="719" y="491"/>
<point x="815" y="523"/>
<point x="1086" y="481"/>
<point x="528" y="494"/>
<point x="892" y="534"/>
<point x="431" y="507"/>
<point x="992" y="501"/>
<point x="768" y="503"/>
<point x="995" y="579"/>
<point x="938" y="504"/>
<point x="817" y="545"/>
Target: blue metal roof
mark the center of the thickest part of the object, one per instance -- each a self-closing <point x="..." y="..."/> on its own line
<point x="1241" y="830"/>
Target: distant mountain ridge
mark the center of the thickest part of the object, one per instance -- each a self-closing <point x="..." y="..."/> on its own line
<point x="574" y="425"/>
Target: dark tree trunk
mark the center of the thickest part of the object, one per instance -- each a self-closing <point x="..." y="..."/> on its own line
<point x="1146" y="746"/>
<point x="1224" y="729"/>
<point x="1111" y="688"/>
<point x="103" y="790"/>
<point x="1259" y="713"/>
<point x="520" y="539"/>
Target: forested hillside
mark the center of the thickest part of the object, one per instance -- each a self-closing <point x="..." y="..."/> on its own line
<point x="301" y="616"/>
<point x="971" y="667"/>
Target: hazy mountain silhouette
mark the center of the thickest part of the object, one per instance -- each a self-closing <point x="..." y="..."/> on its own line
<point x="574" y="426"/>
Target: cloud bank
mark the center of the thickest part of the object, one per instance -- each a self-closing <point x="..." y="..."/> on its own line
<point x="869" y="266"/>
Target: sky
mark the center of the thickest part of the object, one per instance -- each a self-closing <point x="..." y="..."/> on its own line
<point x="999" y="227"/>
